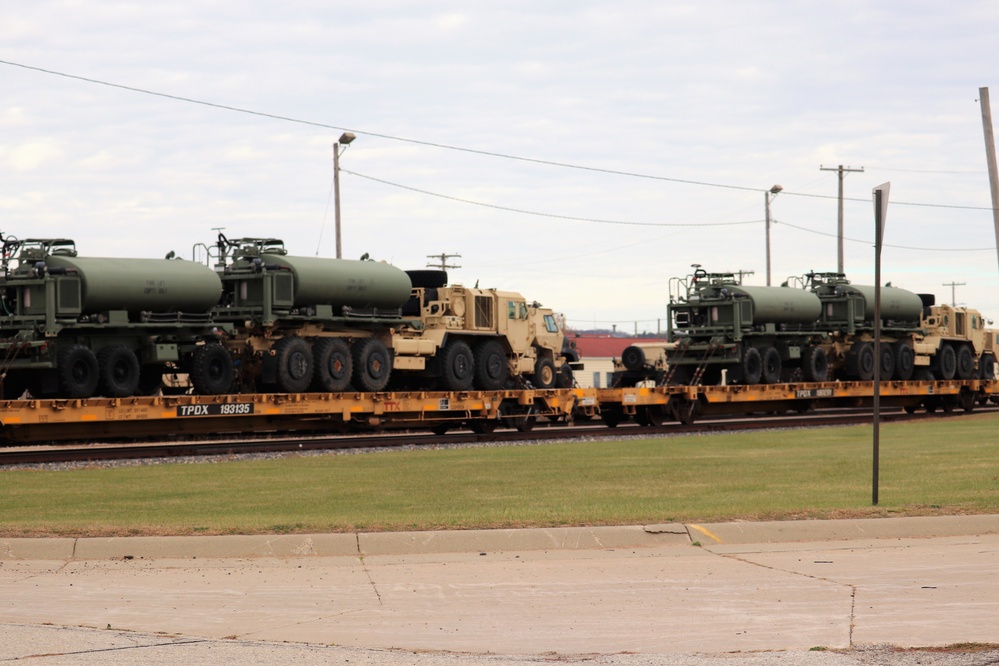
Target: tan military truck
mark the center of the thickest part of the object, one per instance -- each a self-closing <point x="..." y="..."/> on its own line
<point x="485" y="339"/>
<point x="956" y="343"/>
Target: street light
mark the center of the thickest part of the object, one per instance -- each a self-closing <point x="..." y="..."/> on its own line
<point x="344" y="141"/>
<point x="768" y="197"/>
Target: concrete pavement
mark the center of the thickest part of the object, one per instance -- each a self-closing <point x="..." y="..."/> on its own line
<point x="632" y="594"/>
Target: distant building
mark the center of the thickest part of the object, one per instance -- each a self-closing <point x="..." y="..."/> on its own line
<point x="598" y="353"/>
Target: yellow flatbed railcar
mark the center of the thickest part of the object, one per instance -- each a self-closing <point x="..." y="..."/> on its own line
<point x="97" y="419"/>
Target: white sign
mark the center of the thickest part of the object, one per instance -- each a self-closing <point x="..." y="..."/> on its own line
<point x="881" y="210"/>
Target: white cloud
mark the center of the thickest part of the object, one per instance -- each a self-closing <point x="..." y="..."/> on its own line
<point x="31" y="155"/>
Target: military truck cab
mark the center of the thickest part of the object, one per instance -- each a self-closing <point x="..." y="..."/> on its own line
<point x="478" y="338"/>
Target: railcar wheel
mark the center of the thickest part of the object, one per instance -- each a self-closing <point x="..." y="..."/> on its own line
<point x="656" y="415"/>
<point x="771" y="365"/>
<point x="860" y="361"/>
<point x="611" y="416"/>
<point x="887" y="367"/>
<point x="457" y="367"/>
<point x="211" y="371"/>
<point x="965" y="368"/>
<point x="905" y="360"/>
<point x="372" y="365"/>
<point x="524" y="423"/>
<point x="520" y="417"/>
<point x="946" y="362"/>
<point x="119" y="372"/>
<point x="293" y="357"/>
<point x="333" y="365"/>
<point x="642" y="417"/>
<point x="966" y="399"/>
<point x="815" y="364"/>
<point x="544" y="374"/>
<point x="77" y="372"/>
<point x="751" y="365"/>
<point x="686" y="411"/>
<point x="491" y="368"/>
<point x="483" y="426"/>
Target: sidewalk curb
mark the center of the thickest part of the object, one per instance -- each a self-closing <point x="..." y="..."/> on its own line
<point x="557" y="538"/>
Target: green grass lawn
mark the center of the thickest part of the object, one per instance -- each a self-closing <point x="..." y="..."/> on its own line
<point x="933" y="466"/>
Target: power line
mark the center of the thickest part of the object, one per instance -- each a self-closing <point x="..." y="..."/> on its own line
<point x="649" y="224"/>
<point x="551" y="215"/>
<point x="432" y="144"/>
<point x="931" y="171"/>
<point x="486" y="153"/>
<point x="897" y="247"/>
<point x="893" y="203"/>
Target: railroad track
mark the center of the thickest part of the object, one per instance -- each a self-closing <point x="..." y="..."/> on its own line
<point x="84" y="452"/>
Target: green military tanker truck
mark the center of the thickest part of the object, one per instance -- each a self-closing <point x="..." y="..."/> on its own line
<point x="73" y="327"/>
<point x="316" y="324"/>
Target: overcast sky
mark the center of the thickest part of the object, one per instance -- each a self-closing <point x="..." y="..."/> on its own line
<point x="581" y="152"/>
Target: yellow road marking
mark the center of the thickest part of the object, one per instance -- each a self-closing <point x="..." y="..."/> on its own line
<point x="706" y="532"/>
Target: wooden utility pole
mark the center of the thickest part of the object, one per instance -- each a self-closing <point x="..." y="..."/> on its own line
<point x="768" y="197"/>
<point x="839" y="227"/>
<point x="338" y="148"/>
<point x="953" y="296"/>
<point x="990" y="156"/>
<point x="442" y="258"/>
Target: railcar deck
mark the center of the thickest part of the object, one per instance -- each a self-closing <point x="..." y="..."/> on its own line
<point x="99" y="419"/>
<point x="655" y="405"/>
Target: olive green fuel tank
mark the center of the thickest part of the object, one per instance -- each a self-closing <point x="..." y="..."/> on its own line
<point x="338" y="282"/>
<point x="152" y="285"/>
<point x="781" y="305"/>
<point x="897" y="304"/>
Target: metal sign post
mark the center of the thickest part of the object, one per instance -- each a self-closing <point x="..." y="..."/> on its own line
<point x="880" y="213"/>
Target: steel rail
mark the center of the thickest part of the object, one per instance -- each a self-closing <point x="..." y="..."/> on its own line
<point x="83" y="452"/>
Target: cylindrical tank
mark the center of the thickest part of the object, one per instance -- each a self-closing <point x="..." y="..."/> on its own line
<point x="338" y="282"/>
<point x="152" y="285"/>
<point x="897" y="304"/>
<point x="781" y="305"/>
